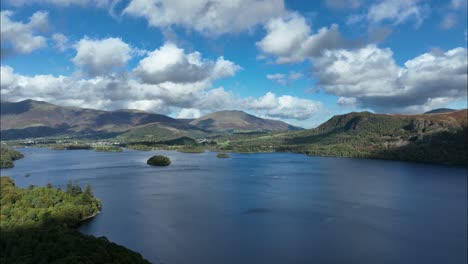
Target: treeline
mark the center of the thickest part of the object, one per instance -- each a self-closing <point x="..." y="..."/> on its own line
<point x="36" y="226"/>
<point x="7" y="156"/>
<point x="37" y="206"/>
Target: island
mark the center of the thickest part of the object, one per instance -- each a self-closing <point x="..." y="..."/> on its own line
<point x="159" y="160"/>
<point x="222" y="155"/>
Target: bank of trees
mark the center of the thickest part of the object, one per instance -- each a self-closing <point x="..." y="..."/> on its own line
<point x="7" y="156"/>
<point x="37" y="226"/>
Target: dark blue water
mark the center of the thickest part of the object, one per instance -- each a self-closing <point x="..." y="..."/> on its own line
<point x="266" y="208"/>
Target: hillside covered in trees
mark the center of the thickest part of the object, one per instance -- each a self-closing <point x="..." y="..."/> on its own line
<point x="435" y="138"/>
<point x="8" y="156"/>
<point x="37" y="226"/>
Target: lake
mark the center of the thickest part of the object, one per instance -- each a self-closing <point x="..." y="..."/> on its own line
<point x="265" y="208"/>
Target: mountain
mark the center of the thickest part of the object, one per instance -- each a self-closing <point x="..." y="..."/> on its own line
<point x="29" y="119"/>
<point x="235" y="121"/>
<point x="33" y="119"/>
<point x="436" y="138"/>
<point x="440" y="110"/>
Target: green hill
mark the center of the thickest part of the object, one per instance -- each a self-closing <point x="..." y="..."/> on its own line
<point x="435" y="138"/>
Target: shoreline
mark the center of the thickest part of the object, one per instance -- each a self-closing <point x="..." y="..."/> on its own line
<point x="90" y="217"/>
<point x="273" y="151"/>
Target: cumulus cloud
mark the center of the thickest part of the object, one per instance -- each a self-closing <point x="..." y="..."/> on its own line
<point x="171" y="64"/>
<point x="289" y="39"/>
<point x="98" y="57"/>
<point x="370" y="78"/>
<point x="206" y="16"/>
<point x="347" y="101"/>
<point x="397" y="12"/>
<point x="285" y="79"/>
<point x="20" y="37"/>
<point x="285" y="106"/>
<point x="290" y="107"/>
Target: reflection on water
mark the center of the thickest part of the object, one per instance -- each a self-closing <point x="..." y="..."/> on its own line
<point x="266" y="208"/>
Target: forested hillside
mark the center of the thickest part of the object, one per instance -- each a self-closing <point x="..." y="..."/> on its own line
<point x="37" y="227"/>
<point x="436" y="138"/>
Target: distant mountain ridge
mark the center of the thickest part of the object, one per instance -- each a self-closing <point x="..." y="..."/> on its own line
<point x="30" y="113"/>
<point x="440" y="110"/>
<point x="231" y="120"/>
<point x="30" y="119"/>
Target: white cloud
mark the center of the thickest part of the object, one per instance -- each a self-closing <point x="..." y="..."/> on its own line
<point x="347" y="101"/>
<point x="397" y="12"/>
<point x="343" y="4"/>
<point x="189" y="113"/>
<point x="289" y="39"/>
<point x="218" y="99"/>
<point x="277" y="77"/>
<point x="171" y="64"/>
<point x="370" y="78"/>
<point x="206" y="16"/>
<point x="102" y="56"/>
<point x="268" y="101"/>
<point x="368" y="70"/>
<point x="285" y="79"/>
<point x="23" y="38"/>
<point x="61" y="42"/>
<point x="290" y="107"/>
<point x="7" y="77"/>
<point x="285" y="106"/>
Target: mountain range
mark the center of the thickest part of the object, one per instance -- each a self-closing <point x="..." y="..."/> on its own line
<point x="29" y="119"/>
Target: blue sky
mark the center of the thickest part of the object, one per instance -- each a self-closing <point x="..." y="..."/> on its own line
<point x="298" y="61"/>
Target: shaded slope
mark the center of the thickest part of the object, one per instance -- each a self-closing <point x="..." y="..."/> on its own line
<point x="440" y="110"/>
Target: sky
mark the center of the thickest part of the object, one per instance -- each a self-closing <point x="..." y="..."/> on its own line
<point x="297" y="61"/>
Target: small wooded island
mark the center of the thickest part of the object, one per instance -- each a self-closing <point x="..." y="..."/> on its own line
<point x="159" y="160"/>
<point x="222" y="155"/>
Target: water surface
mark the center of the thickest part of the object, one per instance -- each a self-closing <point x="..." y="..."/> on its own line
<point x="265" y="208"/>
